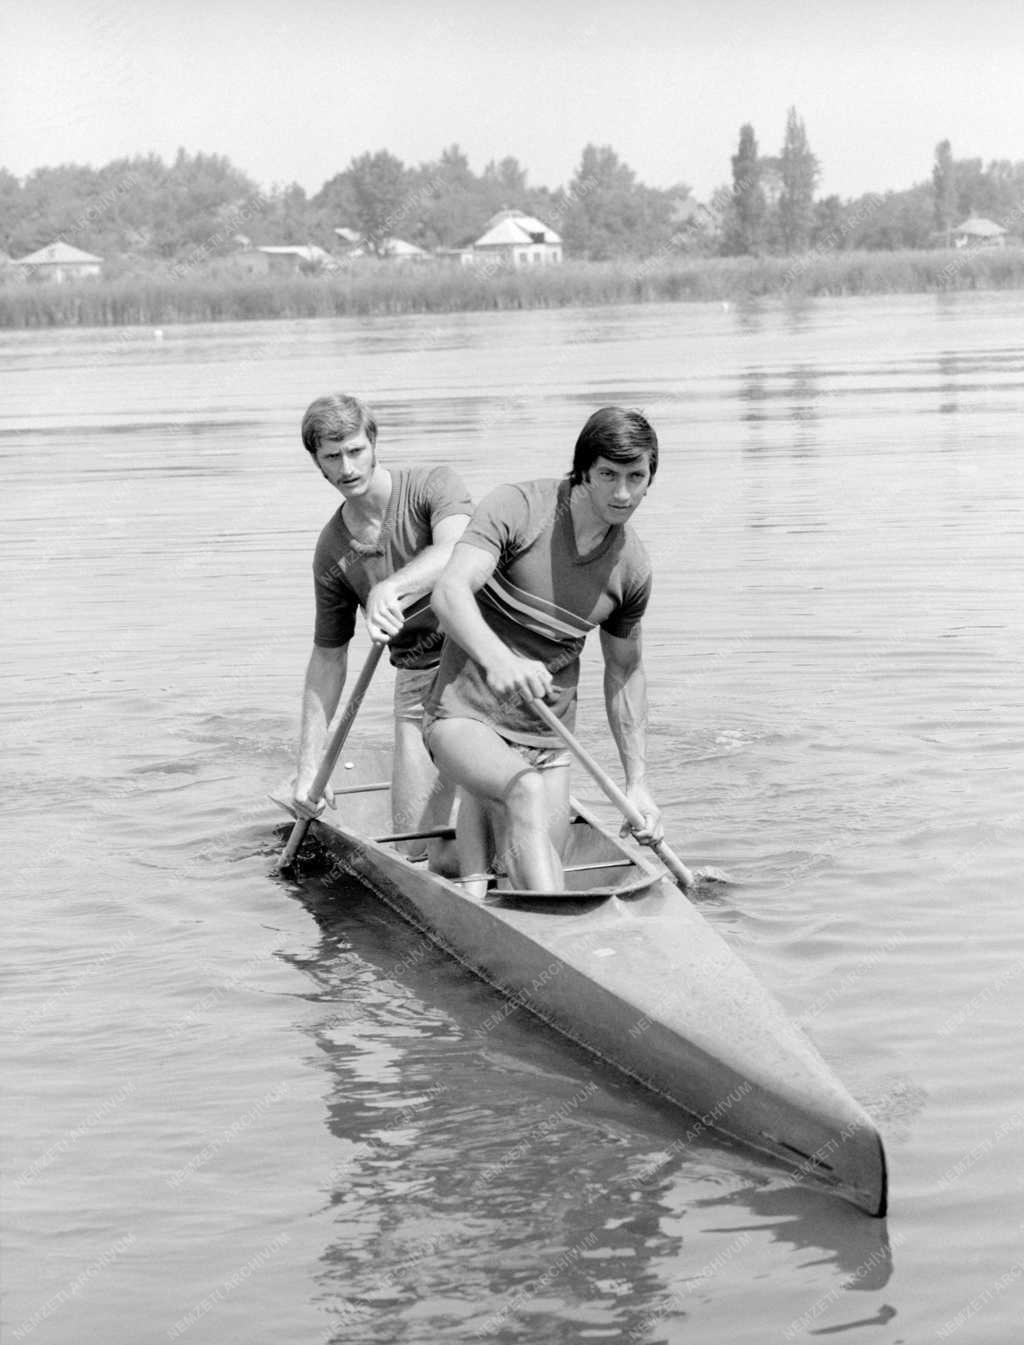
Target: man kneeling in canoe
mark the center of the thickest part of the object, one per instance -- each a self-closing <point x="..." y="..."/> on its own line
<point x="382" y="551"/>
<point x="540" y="565"/>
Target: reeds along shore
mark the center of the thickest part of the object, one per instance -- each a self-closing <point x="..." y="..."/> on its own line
<point x="383" y="288"/>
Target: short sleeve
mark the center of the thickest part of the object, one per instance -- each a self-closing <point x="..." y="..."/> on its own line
<point x="629" y="613"/>
<point x="336" y="602"/>
<point x="447" y="495"/>
<point x="499" y="523"/>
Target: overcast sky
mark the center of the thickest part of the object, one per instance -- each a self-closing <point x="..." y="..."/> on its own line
<point x="293" y="90"/>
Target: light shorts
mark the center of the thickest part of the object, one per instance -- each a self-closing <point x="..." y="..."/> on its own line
<point x="540" y="758"/>
<point x="536" y="758"/>
<point x="412" y="686"/>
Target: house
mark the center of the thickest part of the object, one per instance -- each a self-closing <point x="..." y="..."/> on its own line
<point x="514" y="238"/>
<point x="290" y="259"/>
<point x="389" y="249"/>
<point x="979" y="232"/>
<point x="60" y="262"/>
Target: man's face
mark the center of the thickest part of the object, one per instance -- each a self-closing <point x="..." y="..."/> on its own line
<point x="617" y="488"/>
<point x="348" y="463"/>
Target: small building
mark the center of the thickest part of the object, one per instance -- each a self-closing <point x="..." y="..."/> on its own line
<point x="514" y="238"/>
<point x="284" y="259"/>
<point x="389" y="249"/>
<point x="979" y="232"/>
<point x="60" y="262"/>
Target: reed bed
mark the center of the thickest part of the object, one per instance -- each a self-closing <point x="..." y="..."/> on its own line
<point x="381" y="288"/>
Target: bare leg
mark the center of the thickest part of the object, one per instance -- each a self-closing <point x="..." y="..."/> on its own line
<point x="474" y="842"/>
<point x="420" y="799"/>
<point x="475" y="757"/>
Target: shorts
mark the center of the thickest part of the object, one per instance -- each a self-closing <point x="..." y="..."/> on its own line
<point x="536" y="758"/>
<point x="412" y="686"/>
<point x="540" y="758"/>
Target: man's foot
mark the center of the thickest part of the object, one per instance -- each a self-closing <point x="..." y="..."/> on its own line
<point x="475" y="884"/>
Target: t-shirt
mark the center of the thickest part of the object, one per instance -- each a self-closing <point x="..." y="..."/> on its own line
<point x="343" y="572"/>
<point x="541" y="601"/>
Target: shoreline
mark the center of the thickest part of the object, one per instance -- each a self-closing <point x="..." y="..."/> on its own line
<point x="381" y="289"/>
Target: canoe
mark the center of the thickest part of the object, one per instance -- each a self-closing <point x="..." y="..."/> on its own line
<point x="626" y="966"/>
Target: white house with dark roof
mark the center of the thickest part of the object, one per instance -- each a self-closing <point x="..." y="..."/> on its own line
<point x="60" y="262"/>
<point x="516" y="239"/>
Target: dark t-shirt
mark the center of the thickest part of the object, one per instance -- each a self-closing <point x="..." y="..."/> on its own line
<point x="343" y="573"/>
<point x="541" y="601"/>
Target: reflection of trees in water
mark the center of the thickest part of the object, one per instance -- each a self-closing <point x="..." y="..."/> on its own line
<point x="788" y="398"/>
<point x="951" y="368"/>
<point x="490" y="1179"/>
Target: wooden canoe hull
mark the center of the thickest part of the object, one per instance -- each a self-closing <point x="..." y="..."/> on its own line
<point x="644" y="982"/>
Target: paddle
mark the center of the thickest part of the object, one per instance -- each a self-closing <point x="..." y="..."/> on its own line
<point x="685" y="879"/>
<point x="333" y="752"/>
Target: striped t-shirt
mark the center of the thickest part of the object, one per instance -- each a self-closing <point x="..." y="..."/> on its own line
<point x="541" y="601"/>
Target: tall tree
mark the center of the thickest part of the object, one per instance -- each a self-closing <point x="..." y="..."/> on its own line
<point x="799" y="169"/>
<point x="379" y="188"/>
<point x="448" y="205"/>
<point x="944" y="186"/>
<point x="744" y="229"/>
<point x="11" y="208"/>
<point x="610" y="214"/>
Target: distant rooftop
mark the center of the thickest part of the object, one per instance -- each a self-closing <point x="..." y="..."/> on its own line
<point x="56" y="254"/>
<point x="979" y="227"/>
<point x="508" y="227"/>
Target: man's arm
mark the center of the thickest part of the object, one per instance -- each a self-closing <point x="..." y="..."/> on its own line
<point x="625" y="698"/>
<point x="457" y="610"/>
<point x="414" y="580"/>
<point x="325" y="678"/>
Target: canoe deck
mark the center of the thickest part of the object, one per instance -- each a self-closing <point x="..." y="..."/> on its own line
<point x="627" y="967"/>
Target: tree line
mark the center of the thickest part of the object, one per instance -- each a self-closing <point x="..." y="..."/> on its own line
<point x="140" y="209"/>
<point x="771" y="207"/>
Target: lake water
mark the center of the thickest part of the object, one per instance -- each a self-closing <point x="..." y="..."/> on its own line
<point x="240" y="1109"/>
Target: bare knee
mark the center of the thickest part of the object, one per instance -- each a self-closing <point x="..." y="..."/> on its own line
<point x="525" y="799"/>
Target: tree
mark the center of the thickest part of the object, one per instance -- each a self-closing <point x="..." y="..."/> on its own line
<point x="610" y="214"/>
<point x="944" y="186"/>
<point x="448" y="205"/>
<point x="379" y="190"/>
<point x="745" y="227"/>
<point x="799" y="170"/>
<point x="11" y="208"/>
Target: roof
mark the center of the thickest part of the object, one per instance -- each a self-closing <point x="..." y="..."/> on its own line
<point x="307" y="252"/>
<point x="56" y="253"/>
<point x="979" y="227"/>
<point x="514" y="226"/>
<point x="390" y="247"/>
<point x="398" y="247"/>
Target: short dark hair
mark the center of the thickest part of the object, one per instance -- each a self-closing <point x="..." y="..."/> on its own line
<point x="615" y="434"/>
<point x="336" y="417"/>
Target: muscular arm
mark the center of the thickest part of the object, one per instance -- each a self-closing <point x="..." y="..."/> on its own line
<point x="456" y="606"/>
<point x="414" y="580"/>
<point x="325" y="678"/>
<point x="625" y="698"/>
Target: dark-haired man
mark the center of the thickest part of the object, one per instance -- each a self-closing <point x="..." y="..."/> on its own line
<point x="382" y="550"/>
<point x="539" y="566"/>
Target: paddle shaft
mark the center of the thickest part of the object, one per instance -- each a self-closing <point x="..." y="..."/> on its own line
<point x="629" y="811"/>
<point x="333" y="752"/>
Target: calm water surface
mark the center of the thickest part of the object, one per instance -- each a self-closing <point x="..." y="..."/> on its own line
<point x="243" y="1110"/>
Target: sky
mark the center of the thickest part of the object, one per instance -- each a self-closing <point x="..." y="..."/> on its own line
<point x="292" y="91"/>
